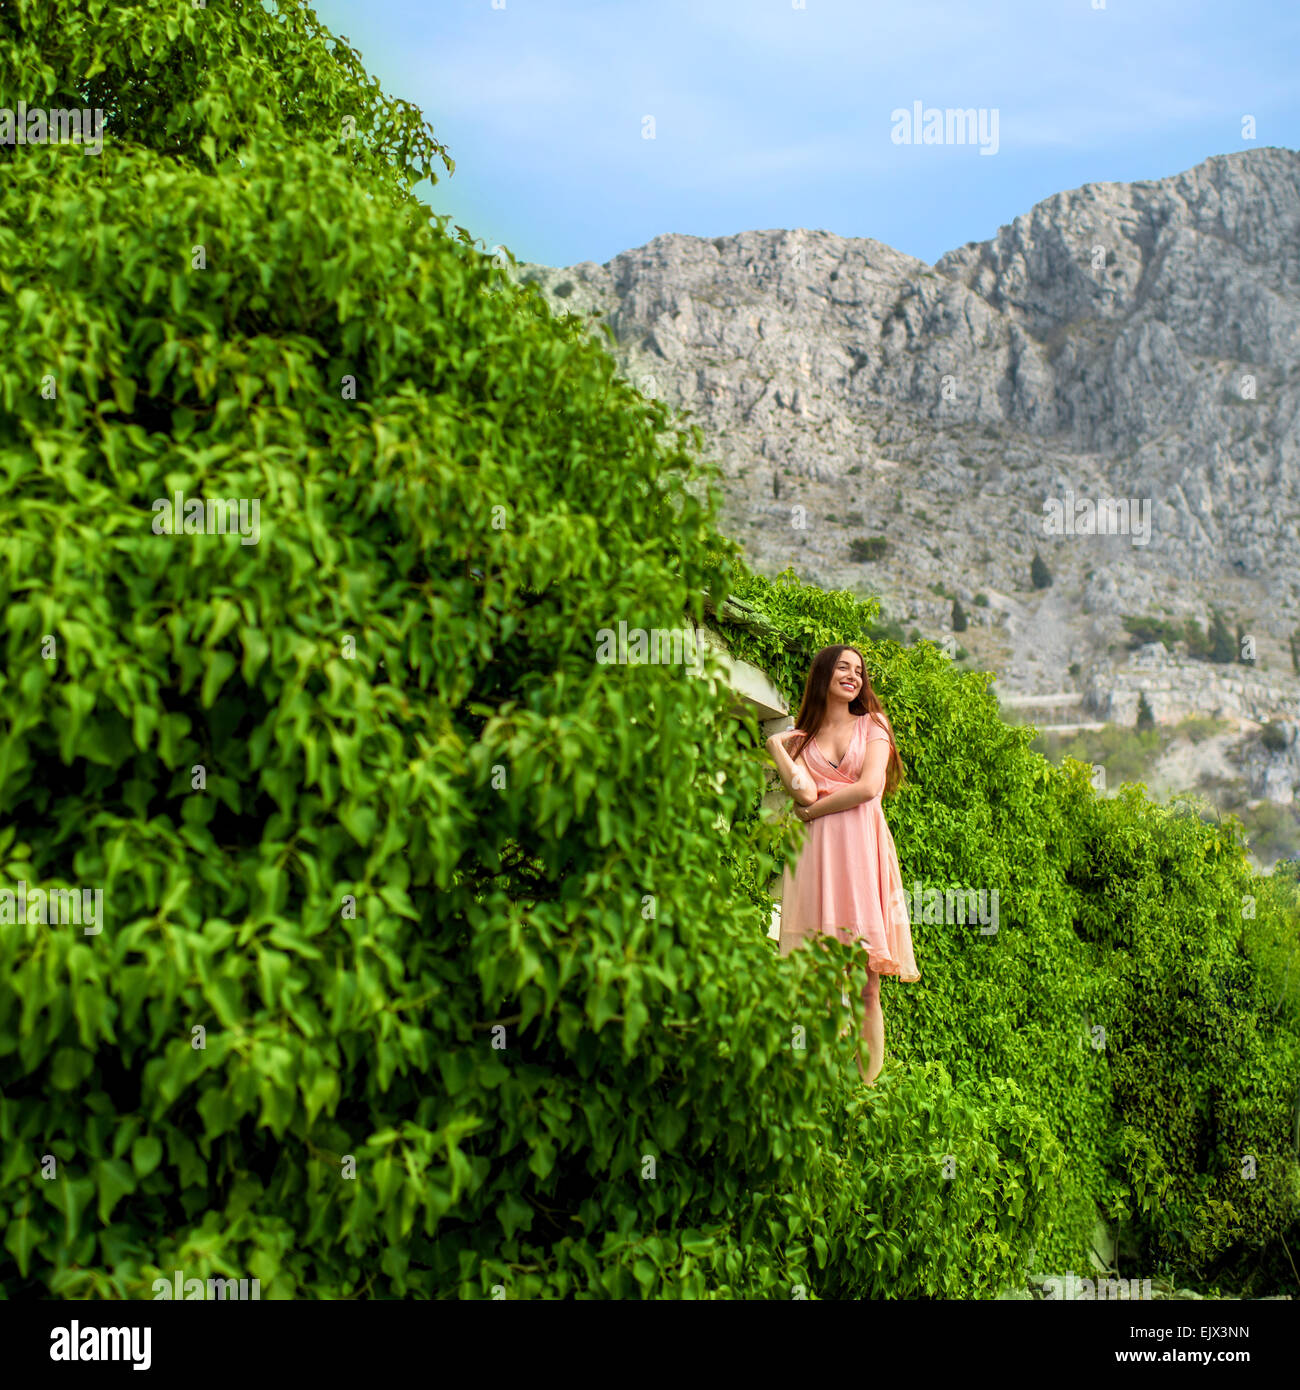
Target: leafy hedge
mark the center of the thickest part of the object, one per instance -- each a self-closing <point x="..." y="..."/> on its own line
<point x="1117" y="914"/>
<point x="420" y="970"/>
<point x="424" y="968"/>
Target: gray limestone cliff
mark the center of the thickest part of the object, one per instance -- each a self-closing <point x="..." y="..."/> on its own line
<point x="1121" y="342"/>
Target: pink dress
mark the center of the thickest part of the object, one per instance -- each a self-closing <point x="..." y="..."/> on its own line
<point x="847" y="881"/>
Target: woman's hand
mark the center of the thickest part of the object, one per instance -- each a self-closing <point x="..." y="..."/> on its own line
<point x="797" y="781"/>
<point x="803" y="813"/>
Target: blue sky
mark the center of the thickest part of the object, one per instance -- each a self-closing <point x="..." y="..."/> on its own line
<point x="767" y="115"/>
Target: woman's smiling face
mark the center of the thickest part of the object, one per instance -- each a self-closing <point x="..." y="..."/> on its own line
<point x="846" y="679"/>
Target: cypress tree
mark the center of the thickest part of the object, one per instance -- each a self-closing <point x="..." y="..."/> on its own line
<point x="1222" y="647"/>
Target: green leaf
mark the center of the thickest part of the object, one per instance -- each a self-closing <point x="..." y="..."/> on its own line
<point x="115" y="1180"/>
<point x="146" y="1154"/>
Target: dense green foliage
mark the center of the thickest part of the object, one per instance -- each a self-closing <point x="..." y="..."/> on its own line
<point x="1130" y="754"/>
<point x="202" y="83"/>
<point x="419" y="968"/>
<point x="1131" y="990"/>
<point x="424" y="968"/>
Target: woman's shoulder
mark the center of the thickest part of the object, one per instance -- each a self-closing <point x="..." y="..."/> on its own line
<point x="877" y="725"/>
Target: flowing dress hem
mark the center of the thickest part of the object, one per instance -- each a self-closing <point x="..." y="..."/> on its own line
<point x="849" y="935"/>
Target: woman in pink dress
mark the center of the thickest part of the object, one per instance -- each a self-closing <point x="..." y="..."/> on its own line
<point x="838" y="762"/>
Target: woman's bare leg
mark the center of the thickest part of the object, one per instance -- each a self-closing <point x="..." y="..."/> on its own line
<point x="873" y="1028"/>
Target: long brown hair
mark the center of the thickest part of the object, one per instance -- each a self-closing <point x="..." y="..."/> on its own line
<point x="812" y="708"/>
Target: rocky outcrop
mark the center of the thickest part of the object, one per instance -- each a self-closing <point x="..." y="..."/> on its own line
<point x="1176" y="688"/>
<point x="1120" y="341"/>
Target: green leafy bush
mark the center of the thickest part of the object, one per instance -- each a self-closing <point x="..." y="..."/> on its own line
<point x="423" y="806"/>
<point x="1273" y="736"/>
<point x="424" y="967"/>
<point x="864" y="549"/>
<point x="1123" y="958"/>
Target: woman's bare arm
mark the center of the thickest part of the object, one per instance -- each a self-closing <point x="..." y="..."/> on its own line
<point x="798" y="781"/>
<point x="869" y="785"/>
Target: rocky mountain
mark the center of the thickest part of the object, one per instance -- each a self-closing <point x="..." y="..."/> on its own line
<point x="1111" y="382"/>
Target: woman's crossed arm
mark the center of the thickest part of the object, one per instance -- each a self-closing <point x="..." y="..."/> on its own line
<point x="870" y="783"/>
<point x="798" y="781"/>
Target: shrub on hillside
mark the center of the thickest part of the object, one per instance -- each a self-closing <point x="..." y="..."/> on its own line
<point x="865" y="549"/>
<point x="1273" y="736"/>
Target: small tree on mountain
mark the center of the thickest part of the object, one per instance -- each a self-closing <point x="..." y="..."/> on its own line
<point x="1223" y="647"/>
<point x="1145" y="718"/>
<point x="958" y="616"/>
<point x="1039" y="573"/>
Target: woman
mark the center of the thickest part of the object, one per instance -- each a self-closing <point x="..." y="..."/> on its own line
<point x="837" y="762"/>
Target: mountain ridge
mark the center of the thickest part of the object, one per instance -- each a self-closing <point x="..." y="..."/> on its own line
<point x="1118" y="340"/>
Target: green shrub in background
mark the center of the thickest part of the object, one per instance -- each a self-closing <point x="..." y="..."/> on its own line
<point x="1121" y="992"/>
<point x="1223" y="646"/>
<point x="865" y="549"/>
<point x="1273" y="736"/>
<point x="1215" y="643"/>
